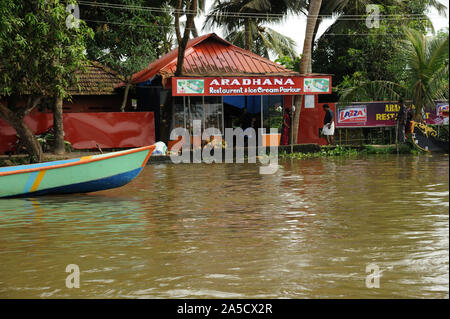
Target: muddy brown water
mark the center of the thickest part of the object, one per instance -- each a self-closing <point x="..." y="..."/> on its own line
<point x="311" y="230"/>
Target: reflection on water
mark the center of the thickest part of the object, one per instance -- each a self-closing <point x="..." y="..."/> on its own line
<point x="224" y="231"/>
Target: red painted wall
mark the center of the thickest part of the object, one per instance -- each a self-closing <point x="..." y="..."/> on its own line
<point x="311" y="119"/>
<point x="85" y="130"/>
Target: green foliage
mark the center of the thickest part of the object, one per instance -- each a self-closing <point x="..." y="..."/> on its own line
<point x="127" y="40"/>
<point x="425" y="78"/>
<point x="14" y="161"/>
<point x="265" y="41"/>
<point x="349" y="81"/>
<point x="338" y="151"/>
<point x="402" y="148"/>
<point x="38" y="52"/>
<point x="324" y="152"/>
<point x="327" y="151"/>
<point x="41" y="48"/>
<point x="352" y="52"/>
<point x="276" y="122"/>
<point x="250" y="31"/>
<point x="47" y="142"/>
<point x="443" y="131"/>
<point x="290" y="63"/>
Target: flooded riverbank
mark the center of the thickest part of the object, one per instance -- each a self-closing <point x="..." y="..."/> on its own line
<point x="224" y="231"/>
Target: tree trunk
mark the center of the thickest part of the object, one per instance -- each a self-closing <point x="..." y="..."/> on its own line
<point x="194" y="30"/>
<point x="166" y="116"/>
<point x="396" y="136"/>
<point x="125" y="97"/>
<point x="58" y="127"/>
<point x="29" y="140"/>
<point x="182" y="41"/>
<point x="248" y="35"/>
<point x="298" y="100"/>
<point x="313" y="12"/>
<point x="166" y="121"/>
<point x="180" y="58"/>
<point x="417" y="116"/>
<point x="316" y="29"/>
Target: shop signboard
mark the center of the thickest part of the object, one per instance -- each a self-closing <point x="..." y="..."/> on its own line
<point x="442" y="112"/>
<point x="254" y="85"/>
<point x="190" y="86"/>
<point x="316" y="85"/>
<point x="380" y="114"/>
<point x="353" y="115"/>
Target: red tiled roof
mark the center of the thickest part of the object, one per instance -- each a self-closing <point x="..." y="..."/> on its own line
<point x="210" y="55"/>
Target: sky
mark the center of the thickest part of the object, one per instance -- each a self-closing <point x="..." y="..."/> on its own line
<point x="293" y="26"/>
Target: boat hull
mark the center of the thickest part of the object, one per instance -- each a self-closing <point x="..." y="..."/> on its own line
<point x="425" y="138"/>
<point x="81" y="175"/>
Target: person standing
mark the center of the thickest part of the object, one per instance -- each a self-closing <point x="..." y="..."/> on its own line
<point x="286" y="127"/>
<point x="328" y="124"/>
<point x="401" y="121"/>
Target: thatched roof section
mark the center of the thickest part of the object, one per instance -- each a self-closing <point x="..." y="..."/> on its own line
<point x="96" y="80"/>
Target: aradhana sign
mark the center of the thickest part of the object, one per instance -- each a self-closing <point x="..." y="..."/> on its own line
<point x="378" y="114"/>
<point x="255" y="85"/>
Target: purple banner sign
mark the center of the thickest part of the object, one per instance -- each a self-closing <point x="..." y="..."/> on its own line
<point x="381" y="114"/>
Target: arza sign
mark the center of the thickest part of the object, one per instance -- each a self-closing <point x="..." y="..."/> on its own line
<point x="258" y="85"/>
<point x="442" y="109"/>
<point x="356" y="114"/>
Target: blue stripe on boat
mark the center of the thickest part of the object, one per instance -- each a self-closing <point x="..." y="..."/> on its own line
<point x="46" y="164"/>
<point x="30" y="182"/>
<point x="85" y="187"/>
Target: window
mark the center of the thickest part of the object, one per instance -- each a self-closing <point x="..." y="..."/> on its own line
<point x="207" y="109"/>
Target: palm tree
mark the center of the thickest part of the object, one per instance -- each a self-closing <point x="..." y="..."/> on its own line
<point x="244" y="23"/>
<point x="313" y="12"/>
<point x="191" y="8"/>
<point x="265" y="41"/>
<point x="200" y="10"/>
<point x="178" y="6"/>
<point x="349" y="12"/>
<point x="426" y="76"/>
<point x="330" y="8"/>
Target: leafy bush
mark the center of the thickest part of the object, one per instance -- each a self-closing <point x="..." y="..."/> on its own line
<point x="443" y="131"/>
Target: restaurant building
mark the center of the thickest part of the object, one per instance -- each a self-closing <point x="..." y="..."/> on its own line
<point x="225" y="86"/>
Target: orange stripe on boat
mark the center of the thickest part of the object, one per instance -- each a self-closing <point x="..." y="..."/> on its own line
<point x="85" y="158"/>
<point x="37" y="181"/>
<point x="147" y="157"/>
